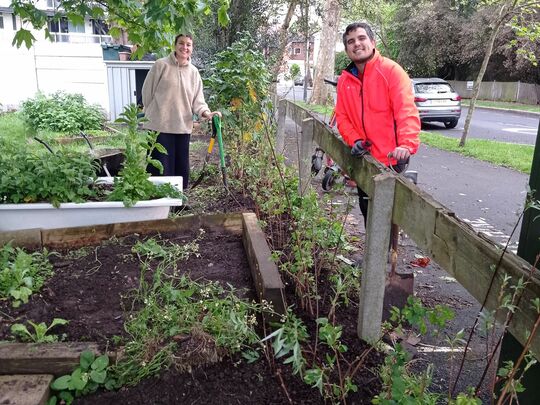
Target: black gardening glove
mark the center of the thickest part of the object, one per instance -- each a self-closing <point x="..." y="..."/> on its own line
<point x="359" y="148"/>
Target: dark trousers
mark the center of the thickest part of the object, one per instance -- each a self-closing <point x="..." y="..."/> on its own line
<point x="363" y="197"/>
<point x="176" y="162"/>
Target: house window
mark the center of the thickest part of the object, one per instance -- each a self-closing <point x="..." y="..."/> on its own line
<point x="52" y="3"/>
<point x="297" y="51"/>
<point x="14" y="21"/>
<point x="58" y="26"/>
<point x="76" y="28"/>
<point x="100" y="27"/>
<point x="1" y="21"/>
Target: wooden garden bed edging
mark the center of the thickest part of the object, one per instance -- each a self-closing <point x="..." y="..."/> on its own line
<point x="61" y="358"/>
<point x="453" y="244"/>
<point x="25" y="389"/>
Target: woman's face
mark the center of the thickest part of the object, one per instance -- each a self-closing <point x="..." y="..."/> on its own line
<point x="183" y="49"/>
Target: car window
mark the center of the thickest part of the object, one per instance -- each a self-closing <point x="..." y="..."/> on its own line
<point x="433" y="88"/>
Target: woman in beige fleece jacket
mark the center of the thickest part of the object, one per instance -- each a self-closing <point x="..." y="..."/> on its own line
<point x="171" y="94"/>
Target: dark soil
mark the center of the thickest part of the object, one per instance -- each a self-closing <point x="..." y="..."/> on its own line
<point x="91" y="286"/>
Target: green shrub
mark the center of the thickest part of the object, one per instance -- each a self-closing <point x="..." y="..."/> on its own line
<point x="342" y="61"/>
<point x="27" y="177"/>
<point x="61" y="112"/>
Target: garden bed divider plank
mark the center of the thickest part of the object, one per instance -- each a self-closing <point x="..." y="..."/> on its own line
<point x="25" y="389"/>
<point x="28" y="238"/>
<point x="264" y="271"/>
<point x="44" y="358"/>
<point x="72" y="237"/>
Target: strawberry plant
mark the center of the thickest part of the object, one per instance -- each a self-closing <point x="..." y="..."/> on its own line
<point x="91" y="374"/>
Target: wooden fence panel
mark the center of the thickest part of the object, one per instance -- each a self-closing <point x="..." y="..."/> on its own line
<point x="453" y="244"/>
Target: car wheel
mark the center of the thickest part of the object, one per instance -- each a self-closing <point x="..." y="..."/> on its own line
<point x="451" y="124"/>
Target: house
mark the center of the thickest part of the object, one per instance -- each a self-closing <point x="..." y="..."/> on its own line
<point x="77" y="60"/>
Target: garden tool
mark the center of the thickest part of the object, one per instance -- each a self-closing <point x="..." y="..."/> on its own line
<point x="398" y="285"/>
<point x="207" y="157"/>
<point x="216" y="126"/>
<point x="92" y="151"/>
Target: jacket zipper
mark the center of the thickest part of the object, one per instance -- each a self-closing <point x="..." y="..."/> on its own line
<point x="362" y="84"/>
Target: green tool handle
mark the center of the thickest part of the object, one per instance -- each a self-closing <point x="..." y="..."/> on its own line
<point x="216" y="122"/>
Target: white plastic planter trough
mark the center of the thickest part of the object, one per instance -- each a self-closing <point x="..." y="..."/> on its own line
<point x="45" y="216"/>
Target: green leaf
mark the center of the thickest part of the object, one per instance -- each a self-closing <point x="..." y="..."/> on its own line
<point x="98" y="376"/>
<point x="19" y="328"/>
<point x="87" y="358"/>
<point x="21" y="36"/>
<point x="101" y="363"/>
<point x="78" y="379"/>
<point x="223" y="17"/>
<point x="57" y="321"/>
<point x="61" y="383"/>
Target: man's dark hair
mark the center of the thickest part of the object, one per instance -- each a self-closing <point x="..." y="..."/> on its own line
<point x="353" y="26"/>
<point x="182" y="35"/>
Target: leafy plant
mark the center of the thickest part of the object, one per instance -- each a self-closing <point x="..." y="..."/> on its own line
<point x="29" y="177"/>
<point x="132" y="183"/>
<point x="91" y="374"/>
<point x="61" y="112"/>
<point x="21" y="273"/>
<point x="41" y="330"/>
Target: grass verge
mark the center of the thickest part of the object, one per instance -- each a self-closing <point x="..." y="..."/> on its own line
<point x="505" y="105"/>
<point x="517" y="157"/>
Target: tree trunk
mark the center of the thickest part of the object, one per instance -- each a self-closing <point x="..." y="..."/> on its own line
<point x="503" y="16"/>
<point x="282" y="45"/>
<point x="307" y="71"/>
<point x="327" y="52"/>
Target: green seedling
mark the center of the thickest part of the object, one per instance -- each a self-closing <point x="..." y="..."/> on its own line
<point x="87" y="378"/>
<point x="41" y="330"/>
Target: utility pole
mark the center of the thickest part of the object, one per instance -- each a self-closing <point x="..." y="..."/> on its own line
<point x="528" y="249"/>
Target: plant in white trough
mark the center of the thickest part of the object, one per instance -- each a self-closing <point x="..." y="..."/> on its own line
<point x="57" y="190"/>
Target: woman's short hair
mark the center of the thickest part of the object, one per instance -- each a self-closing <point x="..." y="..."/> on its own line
<point x="182" y="35"/>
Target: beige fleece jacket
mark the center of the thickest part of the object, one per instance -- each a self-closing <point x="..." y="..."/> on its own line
<point x="171" y="94"/>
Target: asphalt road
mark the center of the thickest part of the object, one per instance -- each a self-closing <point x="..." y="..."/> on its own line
<point x="503" y="126"/>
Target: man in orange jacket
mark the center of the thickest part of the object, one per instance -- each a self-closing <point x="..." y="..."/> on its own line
<point x="375" y="108"/>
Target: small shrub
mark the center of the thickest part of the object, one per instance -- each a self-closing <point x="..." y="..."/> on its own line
<point x="61" y="112"/>
<point x="27" y="177"/>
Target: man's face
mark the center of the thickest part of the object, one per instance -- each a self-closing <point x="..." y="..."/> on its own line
<point x="359" y="47"/>
<point x="183" y="48"/>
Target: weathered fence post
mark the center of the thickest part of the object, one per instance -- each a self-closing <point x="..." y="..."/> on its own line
<point x="280" y="132"/>
<point x="304" y="156"/>
<point x="375" y="258"/>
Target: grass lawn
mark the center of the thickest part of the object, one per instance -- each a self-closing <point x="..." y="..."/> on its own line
<point x="503" y="104"/>
<point x="518" y="157"/>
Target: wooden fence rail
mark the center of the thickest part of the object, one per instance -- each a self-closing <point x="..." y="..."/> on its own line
<point x="453" y="244"/>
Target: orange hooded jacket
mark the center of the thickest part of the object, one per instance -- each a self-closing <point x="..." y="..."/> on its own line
<point x="379" y="108"/>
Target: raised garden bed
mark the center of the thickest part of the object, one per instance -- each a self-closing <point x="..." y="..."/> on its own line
<point x="96" y="270"/>
<point x="83" y="287"/>
<point x="46" y="216"/>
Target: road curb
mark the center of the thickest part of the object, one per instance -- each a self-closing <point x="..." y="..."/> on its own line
<point x="521" y="112"/>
